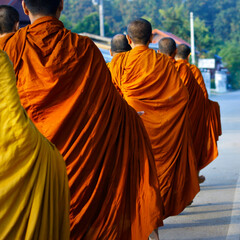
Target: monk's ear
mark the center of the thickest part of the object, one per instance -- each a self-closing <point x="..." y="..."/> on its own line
<point x="175" y="53"/>
<point x="59" y="10"/>
<point x="111" y="53"/>
<point x="25" y="9"/>
<point x="60" y="6"/>
<point x="158" y="51"/>
<point x="129" y="40"/>
<point x="151" y="38"/>
<point x="16" y="27"/>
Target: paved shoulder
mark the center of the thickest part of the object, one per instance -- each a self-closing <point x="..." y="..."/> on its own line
<point x="215" y="212"/>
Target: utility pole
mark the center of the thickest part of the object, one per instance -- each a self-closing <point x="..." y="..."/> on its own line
<point x="192" y="38"/>
<point x="101" y="18"/>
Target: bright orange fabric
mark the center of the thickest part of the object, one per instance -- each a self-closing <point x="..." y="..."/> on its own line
<point x="214" y="129"/>
<point x="149" y="82"/>
<point x="66" y="88"/>
<point x="197" y="112"/>
<point x="199" y="78"/>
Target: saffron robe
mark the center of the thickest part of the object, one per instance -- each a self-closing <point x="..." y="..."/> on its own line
<point x="149" y="82"/>
<point x="214" y="128"/>
<point x="197" y="113"/>
<point x="34" y="192"/>
<point x="66" y="88"/>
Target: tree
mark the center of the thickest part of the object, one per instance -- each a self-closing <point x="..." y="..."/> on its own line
<point x="67" y="24"/>
<point x="76" y="10"/>
<point x="226" y="22"/>
<point x="176" y="20"/>
<point x="203" y="37"/>
<point x="90" y="24"/>
<point x="231" y="56"/>
<point x="204" y="9"/>
<point x="216" y="22"/>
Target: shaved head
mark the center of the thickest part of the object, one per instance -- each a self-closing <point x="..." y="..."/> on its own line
<point x="9" y="17"/>
<point x="167" y="46"/>
<point x="42" y="7"/>
<point x="119" y="43"/>
<point x="140" y="31"/>
<point x="183" y="51"/>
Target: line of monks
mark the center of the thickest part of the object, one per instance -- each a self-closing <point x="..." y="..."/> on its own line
<point x="132" y="135"/>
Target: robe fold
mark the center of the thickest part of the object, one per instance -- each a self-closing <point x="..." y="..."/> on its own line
<point x="197" y="112"/>
<point x="34" y="192"/>
<point x="214" y="128"/>
<point x="149" y="82"/>
<point x="66" y="88"/>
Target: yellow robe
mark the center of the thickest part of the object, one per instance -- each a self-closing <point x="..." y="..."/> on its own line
<point x="34" y="192"/>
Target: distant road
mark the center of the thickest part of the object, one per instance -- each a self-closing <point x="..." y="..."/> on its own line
<point x="215" y="212"/>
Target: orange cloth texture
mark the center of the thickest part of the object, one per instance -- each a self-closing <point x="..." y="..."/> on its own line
<point x="65" y="86"/>
<point x="149" y="82"/>
<point x="197" y="112"/>
<point x="34" y="192"/>
<point x="214" y="128"/>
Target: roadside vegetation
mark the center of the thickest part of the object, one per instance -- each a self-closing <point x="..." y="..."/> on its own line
<point x="217" y="23"/>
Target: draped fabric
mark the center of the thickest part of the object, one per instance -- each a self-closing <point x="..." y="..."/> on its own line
<point x="214" y="128"/>
<point x="66" y="88"/>
<point x="149" y="82"/>
<point x="34" y="192"/>
<point x="197" y="112"/>
<point x="199" y="78"/>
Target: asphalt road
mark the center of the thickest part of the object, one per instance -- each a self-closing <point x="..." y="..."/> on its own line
<point x="215" y="212"/>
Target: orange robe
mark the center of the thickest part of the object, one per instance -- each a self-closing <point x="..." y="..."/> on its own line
<point x="66" y="88"/>
<point x="214" y="129"/>
<point x="196" y="108"/>
<point x="149" y="82"/>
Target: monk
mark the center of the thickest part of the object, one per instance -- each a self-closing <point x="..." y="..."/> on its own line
<point x="214" y="128"/>
<point x="213" y="121"/>
<point x="66" y="88"/>
<point x="149" y="82"/>
<point x="196" y="104"/>
<point x="9" y="20"/>
<point x="119" y="43"/>
<point x="34" y="192"/>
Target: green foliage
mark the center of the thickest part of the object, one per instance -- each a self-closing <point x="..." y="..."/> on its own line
<point x="67" y="24"/>
<point x="90" y="24"/>
<point x="231" y="56"/>
<point x="176" y="20"/>
<point x="203" y="37"/>
<point x="205" y="10"/>
<point x="216" y="23"/>
<point x="76" y="10"/>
